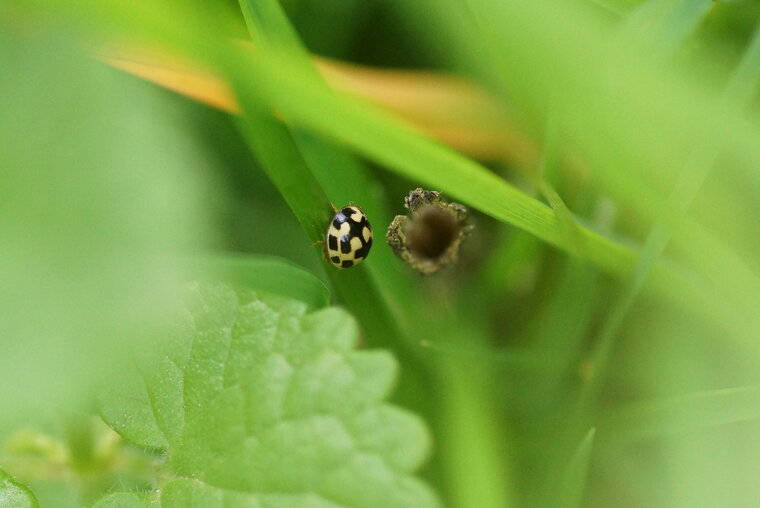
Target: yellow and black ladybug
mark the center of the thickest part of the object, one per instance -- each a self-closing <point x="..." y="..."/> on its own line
<point x="349" y="237"/>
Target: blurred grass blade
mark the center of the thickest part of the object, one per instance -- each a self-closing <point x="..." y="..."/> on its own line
<point x="549" y="162"/>
<point x="633" y="123"/>
<point x="295" y="174"/>
<point x="664" y="25"/>
<point x="572" y="483"/>
<point x="416" y="157"/>
<point x="472" y="438"/>
<point x="342" y="176"/>
<point x="267" y="24"/>
<point x="265" y="273"/>
<point x="100" y="201"/>
<point x="741" y="88"/>
<point x="420" y="159"/>
<point x="277" y="147"/>
<point x="187" y="78"/>
<point x="620" y="7"/>
<point x="451" y="109"/>
<point x="675" y="415"/>
<point x="274" y="146"/>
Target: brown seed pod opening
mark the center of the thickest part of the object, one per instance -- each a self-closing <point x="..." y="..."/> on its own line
<point x="429" y="238"/>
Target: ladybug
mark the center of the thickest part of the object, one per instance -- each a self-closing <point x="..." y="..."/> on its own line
<point x="348" y="238"/>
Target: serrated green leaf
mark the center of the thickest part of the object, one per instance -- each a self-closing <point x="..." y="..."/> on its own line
<point x="260" y="402"/>
<point x="15" y="495"/>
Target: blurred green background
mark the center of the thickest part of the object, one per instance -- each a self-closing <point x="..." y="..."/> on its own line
<point x="596" y="345"/>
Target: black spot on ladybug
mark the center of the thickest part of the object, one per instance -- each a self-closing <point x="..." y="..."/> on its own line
<point x="340" y="250"/>
<point x="345" y="244"/>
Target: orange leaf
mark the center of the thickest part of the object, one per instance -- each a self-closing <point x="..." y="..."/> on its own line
<point x="448" y="108"/>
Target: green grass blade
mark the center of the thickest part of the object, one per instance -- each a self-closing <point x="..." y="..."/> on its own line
<point x="416" y="157"/>
<point x="273" y="145"/>
<point x="340" y="175"/>
<point x="267" y="24"/>
<point x="343" y="178"/>
<point x="738" y="92"/>
<point x="298" y="162"/>
<point x="620" y="7"/>
<point x="666" y="24"/>
<point x="265" y="273"/>
<point x="472" y="439"/>
<point x="291" y="91"/>
<point x="675" y="415"/>
<point x="631" y="121"/>
<point x="549" y="163"/>
<point x="572" y="484"/>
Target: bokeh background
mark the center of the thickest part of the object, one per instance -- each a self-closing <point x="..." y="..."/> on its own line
<point x="555" y="367"/>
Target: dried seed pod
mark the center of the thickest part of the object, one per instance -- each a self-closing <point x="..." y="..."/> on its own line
<point x="429" y="238"/>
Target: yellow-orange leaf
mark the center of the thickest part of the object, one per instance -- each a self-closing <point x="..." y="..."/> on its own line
<point x="449" y="108"/>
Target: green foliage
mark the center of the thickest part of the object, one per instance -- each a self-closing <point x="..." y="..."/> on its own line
<point x="613" y="287"/>
<point x="572" y="481"/>
<point x="123" y="500"/>
<point x="268" y="274"/>
<point x="99" y="204"/>
<point x="261" y="400"/>
<point x="15" y="495"/>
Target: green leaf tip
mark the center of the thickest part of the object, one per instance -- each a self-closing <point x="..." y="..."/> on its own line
<point x="15" y="495"/>
<point x="261" y="401"/>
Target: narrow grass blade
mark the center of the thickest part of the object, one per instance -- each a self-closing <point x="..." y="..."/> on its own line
<point x="338" y="174"/>
<point x="549" y="162"/>
<point x="274" y="146"/>
<point x="472" y="438"/>
<point x="666" y="24"/>
<point x="329" y="170"/>
<point x="737" y="93"/>
<point x="450" y="109"/>
<point x="421" y="159"/>
<point x="425" y="161"/>
<point x="343" y="178"/>
<point x="572" y="484"/>
<point x="675" y="415"/>
<point x="620" y="7"/>
<point x="265" y="273"/>
<point x="270" y="79"/>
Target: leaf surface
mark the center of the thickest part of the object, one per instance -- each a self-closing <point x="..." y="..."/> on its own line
<point x="259" y="401"/>
<point x="15" y="495"/>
